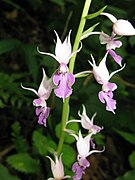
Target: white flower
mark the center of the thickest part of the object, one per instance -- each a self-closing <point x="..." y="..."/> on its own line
<point x="101" y="72"/>
<point x="57" y="168"/>
<point x="63" y="51"/>
<point x="86" y="122"/>
<point x="43" y="92"/>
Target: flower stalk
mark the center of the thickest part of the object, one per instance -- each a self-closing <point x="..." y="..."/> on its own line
<point x="65" y="109"/>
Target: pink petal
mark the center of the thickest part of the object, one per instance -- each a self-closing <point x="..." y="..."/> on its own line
<point x="117" y="58"/>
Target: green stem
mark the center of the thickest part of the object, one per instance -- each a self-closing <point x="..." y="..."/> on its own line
<point x="65" y="110"/>
<point x="79" y="33"/>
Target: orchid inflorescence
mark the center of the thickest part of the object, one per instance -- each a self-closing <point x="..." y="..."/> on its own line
<point x="62" y="81"/>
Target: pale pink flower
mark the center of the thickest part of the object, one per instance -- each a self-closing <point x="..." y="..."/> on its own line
<point x="57" y="168"/>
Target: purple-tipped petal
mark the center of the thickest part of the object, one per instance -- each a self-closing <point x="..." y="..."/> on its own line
<point x="38" y="111"/>
<point x="107" y="97"/>
<point x="117" y="58"/>
<point x="64" y="83"/>
<point x="78" y="171"/>
<point x="56" y="78"/>
<point x="42" y="113"/>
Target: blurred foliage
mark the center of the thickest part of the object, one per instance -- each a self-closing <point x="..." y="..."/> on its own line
<point x="30" y="23"/>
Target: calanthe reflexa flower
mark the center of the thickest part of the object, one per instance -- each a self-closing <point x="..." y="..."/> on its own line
<point x="83" y="148"/>
<point x="86" y="122"/>
<point x="43" y="93"/>
<point x="62" y="78"/>
<point x="102" y="76"/>
<point x="120" y="26"/>
<point x="112" y="43"/>
<point x="57" y="168"/>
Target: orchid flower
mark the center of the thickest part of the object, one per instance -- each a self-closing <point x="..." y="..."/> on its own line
<point x="62" y="78"/>
<point x="57" y="168"/>
<point x="83" y="148"/>
<point x="120" y="26"/>
<point x="43" y="93"/>
<point x="102" y="76"/>
<point x="111" y="43"/>
<point x="87" y="123"/>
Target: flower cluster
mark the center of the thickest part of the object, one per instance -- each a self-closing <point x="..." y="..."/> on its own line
<point x="62" y="81"/>
<point x="84" y="144"/>
<point x="120" y="27"/>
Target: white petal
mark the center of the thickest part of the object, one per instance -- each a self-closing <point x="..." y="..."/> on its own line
<point x="117" y="71"/>
<point x="49" y="54"/>
<point x="30" y="89"/>
<point x="45" y="87"/>
<point x="96" y="151"/>
<point x="63" y="50"/>
<point x="110" y="16"/>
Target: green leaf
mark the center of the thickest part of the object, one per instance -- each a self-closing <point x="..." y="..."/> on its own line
<point x="87" y="33"/>
<point x="132" y="160"/>
<point x="68" y="138"/>
<point x="43" y="143"/>
<point x="69" y="155"/>
<point x="93" y="15"/>
<point x="129" y="175"/>
<point x="7" y="45"/>
<point x="5" y="175"/>
<point x="127" y="136"/>
<point x="19" y="141"/>
<point x="40" y="141"/>
<point x="23" y="162"/>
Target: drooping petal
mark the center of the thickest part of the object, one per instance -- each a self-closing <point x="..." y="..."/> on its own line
<point x="107" y="97"/>
<point x="64" y="83"/>
<point x="114" y="72"/>
<point x="42" y="113"/>
<point x="49" y="54"/>
<point x="30" y="89"/>
<point x="117" y="58"/>
<point x="78" y="171"/>
<point x="110" y="16"/>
